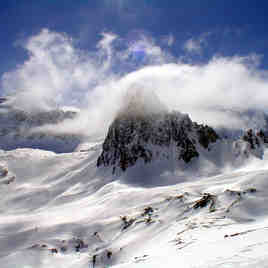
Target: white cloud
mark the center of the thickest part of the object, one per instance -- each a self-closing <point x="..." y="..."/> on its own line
<point x="192" y="45"/>
<point x="54" y="72"/>
<point x="207" y="91"/>
<point x="218" y="93"/>
<point x="106" y="41"/>
<point x="105" y="45"/>
<point x="196" y="45"/>
<point x="144" y="50"/>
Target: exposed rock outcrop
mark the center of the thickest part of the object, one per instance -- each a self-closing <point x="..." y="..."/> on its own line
<point x="134" y="137"/>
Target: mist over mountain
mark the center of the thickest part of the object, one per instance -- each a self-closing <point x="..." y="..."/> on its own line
<point x="23" y="129"/>
<point x="223" y="92"/>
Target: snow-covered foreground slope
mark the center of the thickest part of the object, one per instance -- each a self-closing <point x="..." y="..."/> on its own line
<point x="60" y="211"/>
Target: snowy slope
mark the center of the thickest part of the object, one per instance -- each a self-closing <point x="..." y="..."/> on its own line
<point x="159" y="191"/>
<point x="58" y="200"/>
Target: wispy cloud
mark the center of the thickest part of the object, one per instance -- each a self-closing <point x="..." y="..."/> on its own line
<point x="105" y="45"/>
<point x="145" y="50"/>
<point x="169" y="39"/>
<point x="57" y="73"/>
<point x="196" y="45"/>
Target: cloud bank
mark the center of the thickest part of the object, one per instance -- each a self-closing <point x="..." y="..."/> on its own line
<point x="57" y="73"/>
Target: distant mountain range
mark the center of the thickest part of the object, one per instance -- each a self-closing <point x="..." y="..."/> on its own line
<point x="20" y="129"/>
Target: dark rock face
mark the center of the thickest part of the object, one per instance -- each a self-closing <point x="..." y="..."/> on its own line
<point x="134" y="137"/>
<point x="251" y="143"/>
<point x="206" y="135"/>
<point x="262" y="135"/>
<point x="252" y="139"/>
<point x="255" y="140"/>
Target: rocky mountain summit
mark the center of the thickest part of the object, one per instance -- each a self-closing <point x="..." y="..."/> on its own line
<point x="141" y="133"/>
<point x="131" y="138"/>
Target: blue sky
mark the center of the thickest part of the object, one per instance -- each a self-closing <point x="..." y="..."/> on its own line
<point x="234" y="27"/>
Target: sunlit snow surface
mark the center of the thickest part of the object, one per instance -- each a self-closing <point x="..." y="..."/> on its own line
<point x="56" y="199"/>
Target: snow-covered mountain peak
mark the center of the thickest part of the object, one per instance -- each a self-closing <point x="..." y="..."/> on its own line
<point x="149" y="137"/>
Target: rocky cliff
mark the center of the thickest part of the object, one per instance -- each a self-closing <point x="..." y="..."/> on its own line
<point x="144" y="131"/>
<point x="133" y="137"/>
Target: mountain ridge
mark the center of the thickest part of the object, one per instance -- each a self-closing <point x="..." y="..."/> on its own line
<point x="130" y="136"/>
<point x="21" y="129"/>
